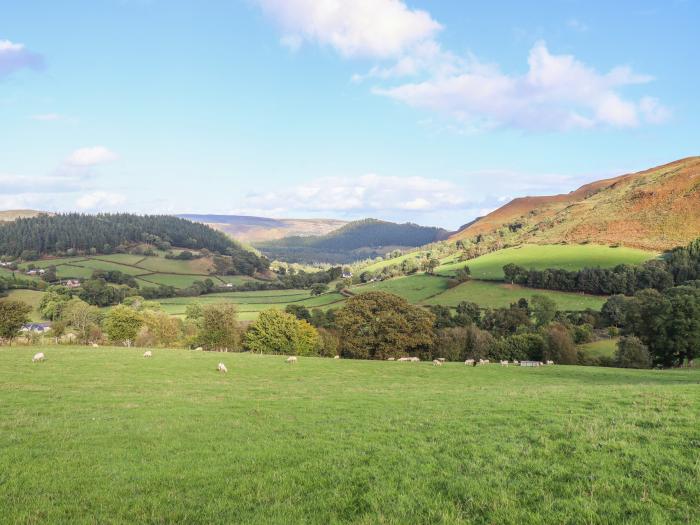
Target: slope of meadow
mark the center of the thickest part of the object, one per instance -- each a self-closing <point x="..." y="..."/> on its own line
<point x="104" y="436"/>
<point x="541" y="257"/>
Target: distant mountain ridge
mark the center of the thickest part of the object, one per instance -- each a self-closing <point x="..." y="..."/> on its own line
<point x="354" y="241"/>
<point x="655" y="209"/>
<point x="253" y="229"/>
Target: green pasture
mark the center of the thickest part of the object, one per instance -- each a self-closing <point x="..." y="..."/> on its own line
<point x="413" y="288"/>
<point x="601" y="348"/>
<point x="495" y="295"/>
<point x="31" y="297"/>
<point x="102" y="435"/>
<point x="541" y="257"/>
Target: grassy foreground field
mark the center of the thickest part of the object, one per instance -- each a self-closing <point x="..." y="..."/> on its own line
<point x="105" y="436"/>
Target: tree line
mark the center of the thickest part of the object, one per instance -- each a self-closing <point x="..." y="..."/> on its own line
<point x="675" y="268"/>
<point x="74" y="233"/>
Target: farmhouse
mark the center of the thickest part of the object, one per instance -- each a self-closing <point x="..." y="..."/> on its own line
<point x="38" y="328"/>
<point x="72" y="283"/>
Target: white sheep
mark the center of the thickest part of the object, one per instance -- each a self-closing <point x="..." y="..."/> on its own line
<point x="148" y="353"/>
<point x="403" y="359"/>
<point x="550" y="362"/>
<point x="392" y="359"/>
<point x="469" y="362"/>
<point x="504" y="363"/>
<point x="292" y="359"/>
<point x="198" y="349"/>
<point x="437" y="362"/>
<point x="95" y="345"/>
<point x="222" y="368"/>
<point x="516" y="362"/>
<point x="38" y="357"/>
<point x="337" y="357"/>
<point x="414" y="359"/>
<point x="484" y="361"/>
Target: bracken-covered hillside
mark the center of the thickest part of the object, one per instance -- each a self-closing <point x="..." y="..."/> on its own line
<point x="656" y="209"/>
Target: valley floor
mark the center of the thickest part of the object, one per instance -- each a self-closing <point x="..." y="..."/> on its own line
<point x="104" y="435"/>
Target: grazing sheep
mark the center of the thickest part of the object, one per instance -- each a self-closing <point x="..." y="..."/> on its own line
<point x="516" y="362"/>
<point x="95" y="345"/>
<point x="403" y="359"/>
<point x="337" y="357"/>
<point x="38" y="357"/>
<point x="222" y="368"/>
<point x="392" y="359"/>
<point x="469" y="362"/>
<point x="414" y="359"/>
<point x="292" y="359"/>
<point x="504" y="363"/>
<point x="550" y="362"/>
<point x="198" y="349"/>
<point x="437" y="362"/>
<point x="484" y="361"/>
<point x="148" y="353"/>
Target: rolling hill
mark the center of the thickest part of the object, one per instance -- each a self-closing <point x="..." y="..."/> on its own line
<point x="656" y="209"/>
<point x="11" y="215"/>
<point x="354" y="241"/>
<point x="259" y="229"/>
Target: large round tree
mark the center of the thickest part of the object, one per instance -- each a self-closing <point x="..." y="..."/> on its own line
<point x="378" y="325"/>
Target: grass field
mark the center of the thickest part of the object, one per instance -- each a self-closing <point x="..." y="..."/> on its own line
<point x="413" y="288"/>
<point x="541" y="257"/>
<point x="602" y="348"/>
<point x="31" y="297"/>
<point x="105" y="436"/>
<point x="495" y="295"/>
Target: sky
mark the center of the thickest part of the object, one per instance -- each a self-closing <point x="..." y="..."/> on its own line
<point x="433" y="112"/>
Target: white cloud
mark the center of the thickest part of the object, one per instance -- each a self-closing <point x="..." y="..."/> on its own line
<point x="99" y="200"/>
<point x="367" y="194"/>
<point x="15" y="56"/>
<point x="558" y="92"/>
<point x="368" y="28"/>
<point x="91" y="156"/>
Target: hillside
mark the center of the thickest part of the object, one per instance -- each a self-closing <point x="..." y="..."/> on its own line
<point x="77" y="234"/>
<point x="656" y="209"/>
<point x="11" y="215"/>
<point x="354" y="241"/>
<point x="259" y="229"/>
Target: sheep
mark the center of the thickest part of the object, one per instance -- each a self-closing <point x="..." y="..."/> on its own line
<point x="469" y="362"/>
<point x="292" y="359"/>
<point x="198" y="349"/>
<point x="337" y="357"/>
<point x="392" y="359"/>
<point x="550" y="362"/>
<point x="222" y="368"/>
<point x="484" y="361"/>
<point x="504" y="363"/>
<point x="38" y="357"/>
<point x="403" y="359"/>
<point x="414" y="359"/>
<point x="148" y="353"/>
<point x="437" y="362"/>
<point x="516" y="362"/>
<point x="95" y="345"/>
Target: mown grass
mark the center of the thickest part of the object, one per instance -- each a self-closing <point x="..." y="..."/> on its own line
<point x="105" y="436"/>
<point x="496" y="295"/>
<point x="541" y="257"/>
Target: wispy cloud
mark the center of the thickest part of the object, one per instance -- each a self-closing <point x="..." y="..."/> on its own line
<point x="14" y="57"/>
<point x="91" y="156"/>
<point x="47" y="117"/>
<point x="99" y="200"/>
<point x="558" y="92"/>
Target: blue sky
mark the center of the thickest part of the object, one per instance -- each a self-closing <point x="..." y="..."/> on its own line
<point x="429" y="111"/>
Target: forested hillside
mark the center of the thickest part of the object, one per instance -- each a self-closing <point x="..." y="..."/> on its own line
<point x="354" y="241"/>
<point x="104" y="233"/>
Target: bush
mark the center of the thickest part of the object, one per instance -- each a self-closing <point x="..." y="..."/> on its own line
<point x="450" y="343"/>
<point x="277" y="332"/>
<point x="559" y="346"/>
<point x="632" y="353"/>
<point x="219" y="328"/>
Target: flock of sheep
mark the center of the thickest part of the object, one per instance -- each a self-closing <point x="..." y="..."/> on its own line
<point x="38" y="357"/>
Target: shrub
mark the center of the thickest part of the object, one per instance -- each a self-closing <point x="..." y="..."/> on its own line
<point x="559" y="346"/>
<point x="277" y="332"/>
<point x="219" y="328"/>
<point x="632" y="353"/>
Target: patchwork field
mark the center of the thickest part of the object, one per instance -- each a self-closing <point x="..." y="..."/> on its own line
<point x="495" y="295"/>
<point x="413" y="288"/>
<point x="31" y="297"/>
<point x="105" y="436"/>
<point x="540" y="257"/>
